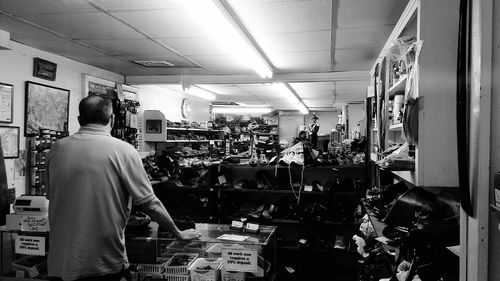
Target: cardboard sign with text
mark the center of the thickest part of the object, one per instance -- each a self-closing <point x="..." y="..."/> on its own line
<point x="30" y="245"/>
<point x="241" y="260"/>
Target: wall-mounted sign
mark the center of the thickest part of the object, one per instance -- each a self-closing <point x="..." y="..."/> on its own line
<point x="44" y="69"/>
<point x="30" y="245"/>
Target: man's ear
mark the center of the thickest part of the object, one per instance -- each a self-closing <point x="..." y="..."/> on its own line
<point x="112" y="121"/>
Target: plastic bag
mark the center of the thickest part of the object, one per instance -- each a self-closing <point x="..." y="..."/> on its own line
<point x="410" y="111"/>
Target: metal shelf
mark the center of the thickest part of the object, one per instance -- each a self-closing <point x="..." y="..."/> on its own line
<point x="398" y="87"/>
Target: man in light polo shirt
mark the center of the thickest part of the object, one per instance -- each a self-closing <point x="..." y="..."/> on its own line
<point x="93" y="180"/>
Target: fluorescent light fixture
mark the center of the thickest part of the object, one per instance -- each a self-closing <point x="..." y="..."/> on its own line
<point x="240" y="110"/>
<point x="200" y="92"/>
<point x="290" y="96"/>
<point x="214" y="15"/>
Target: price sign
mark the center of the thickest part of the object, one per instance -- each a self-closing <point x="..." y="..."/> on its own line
<point x="30" y="245"/>
<point x="34" y="224"/>
<point x="241" y="260"/>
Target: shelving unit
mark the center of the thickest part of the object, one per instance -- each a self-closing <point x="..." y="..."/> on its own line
<point x="435" y="24"/>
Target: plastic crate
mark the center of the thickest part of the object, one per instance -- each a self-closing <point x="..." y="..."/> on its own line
<point x="177" y="247"/>
<point x="157" y="268"/>
<point x="232" y="275"/>
<point x="173" y="277"/>
<point x="180" y="269"/>
<point x="148" y="276"/>
<point x="205" y="274"/>
<point x="32" y="265"/>
<point x="198" y="247"/>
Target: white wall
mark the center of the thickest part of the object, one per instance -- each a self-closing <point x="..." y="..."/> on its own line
<point x="356" y="113"/>
<point x="169" y="102"/>
<point x="17" y="68"/>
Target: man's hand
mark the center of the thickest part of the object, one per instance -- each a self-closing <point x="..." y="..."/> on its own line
<point x="189" y="234"/>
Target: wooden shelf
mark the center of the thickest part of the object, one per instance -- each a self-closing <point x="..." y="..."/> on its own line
<point x="398" y="87"/>
<point x="194" y="130"/>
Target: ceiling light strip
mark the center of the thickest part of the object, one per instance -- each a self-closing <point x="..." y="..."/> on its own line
<point x="217" y="16"/>
<point x="291" y="96"/>
<point x="263" y="66"/>
<point x="241" y="110"/>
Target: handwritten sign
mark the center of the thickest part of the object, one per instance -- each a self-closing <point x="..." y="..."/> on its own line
<point x="30" y="245"/>
<point x="35" y="224"/>
<point x="241" y="260"/>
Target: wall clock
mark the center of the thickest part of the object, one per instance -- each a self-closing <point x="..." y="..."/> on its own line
<point x="186" y="108"/>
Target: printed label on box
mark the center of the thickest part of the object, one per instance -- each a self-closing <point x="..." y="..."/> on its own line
<point x="241" y="260"/>
<point x="34" y="224"/>
<point x="30" y="245"/>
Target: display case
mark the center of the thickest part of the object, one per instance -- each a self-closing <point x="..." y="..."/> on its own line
<point x="221" y="253"/>
<point x="23" y="255"/>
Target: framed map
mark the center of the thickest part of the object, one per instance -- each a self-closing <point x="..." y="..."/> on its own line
<point x="10" y="141"/>
<point x="46" y="107"/>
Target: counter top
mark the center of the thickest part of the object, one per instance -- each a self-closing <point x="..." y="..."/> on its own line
<point x="210" y="234"/>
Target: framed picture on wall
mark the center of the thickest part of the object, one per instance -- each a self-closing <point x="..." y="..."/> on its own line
<point x="6" y="102"/>
<point x="44" y="69"/>
<point x="9" y="137"/>
<point x="47" y="107"/>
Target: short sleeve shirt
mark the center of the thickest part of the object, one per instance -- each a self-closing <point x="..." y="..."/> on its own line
<point x="93" y="179"/>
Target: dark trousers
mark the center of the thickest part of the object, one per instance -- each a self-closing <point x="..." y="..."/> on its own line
<point x="108" y="277"/>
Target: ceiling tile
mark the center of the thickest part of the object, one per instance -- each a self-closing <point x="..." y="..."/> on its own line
<point x="87" y="26"/>
<point x="131" y="47"/>
<point x="355" y="54"/>
<point x="222" y="64"/>
<point x="294" y="42"/>
<point x="135" y="5"/>
<point x="196" y="46"/>
<point x="20" y="30"/>
<point x="17" y="7"/>
<point x="355" y="13"/>
<point x="372" y="36"/>
<point x="261" y="17"/>
<point x="166" y="23"/>
<point x="62" y="47"/>
<point x="302" y="61"/>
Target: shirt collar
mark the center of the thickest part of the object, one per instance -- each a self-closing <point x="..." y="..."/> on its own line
<point x="94" y="129"/>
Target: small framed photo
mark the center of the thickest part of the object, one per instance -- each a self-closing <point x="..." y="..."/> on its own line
<point x="6" y="102"/>
<point x="44" y="69"/>
<point x="9" y="137"/>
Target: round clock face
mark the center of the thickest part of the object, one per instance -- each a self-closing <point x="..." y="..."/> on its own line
<point x="186" y="108"/>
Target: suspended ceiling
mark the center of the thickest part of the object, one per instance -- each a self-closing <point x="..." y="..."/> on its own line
<point x="323" y="48"/>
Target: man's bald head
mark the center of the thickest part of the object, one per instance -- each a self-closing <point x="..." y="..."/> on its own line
<point x="95" y="110"/>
